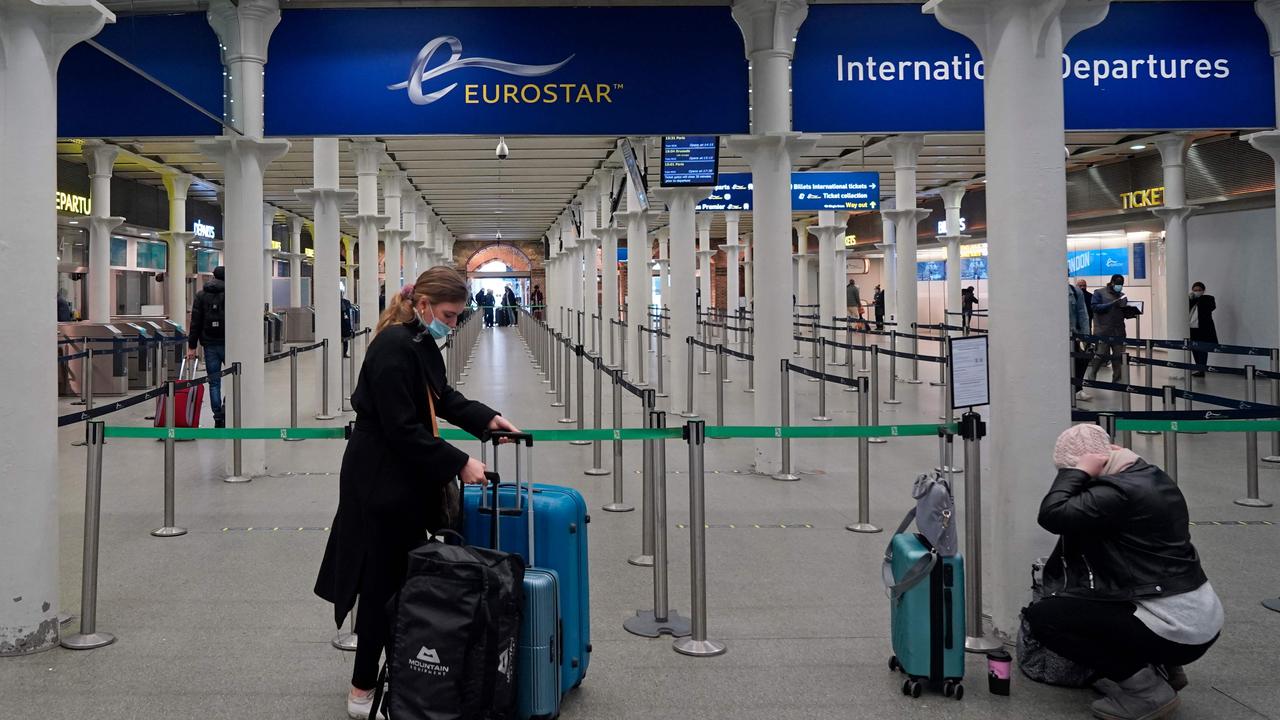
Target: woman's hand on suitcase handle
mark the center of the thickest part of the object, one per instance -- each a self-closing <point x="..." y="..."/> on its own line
<point x="472" y="473"/>
<point x="501" y="424"/>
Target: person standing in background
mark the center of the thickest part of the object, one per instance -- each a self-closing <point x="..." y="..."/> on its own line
<point x="1078" y="322"/>
<point x="1084" y="288"/>
<point x="64" y="306"/>
<point x="208" y="329"/>
<point x="853" y="302"/>
<point x="1110" y="308"/>
<point x="536" y="301"/>
<point x="878" y="300"/>
<point x="1202" y="327"/>
<point x="968" y="301"/>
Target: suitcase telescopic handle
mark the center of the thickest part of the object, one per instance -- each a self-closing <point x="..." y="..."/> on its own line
<point x="496" y="436"/>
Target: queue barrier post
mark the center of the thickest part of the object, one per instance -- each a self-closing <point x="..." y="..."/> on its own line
<point x="915" y="361"/>
<point x="1124" y="438"/>
<point x="553" y="367"/>
<point x="567" y="382"/>
<point x="578" y="351"/>
<point x="560" y="374"/>
<point x="86" y="388"/>
<point x="751" y="364"/>
<point x="617" y="505"/>
<point x="170" y="528"/>
<point x="1251" y="497"/>
<point x="237" y="451"/>
<point x="661" y="370"/>
<point x="1274" y="457"/>
<point x="814" y="351"/>
<point x="875" y="392"/>
<point x="622" y="348"/>
<point x="89" y="638"/>
<point x="640" y="355"/>
<point x="849" y="368"/>
<point x="822" y="380"/>
<point x="661" y="619"/>
<point x="1170" y="437"/>
<point x="864" y="524"/>
<point x="720" y="380"/>
<point x="597" y="407"/>
<point x="697" y="644"/>
<point x="324" y="413"/>
<point x="972" y="430"/>
<point x="347" y="641"/>
<point x="293" y="391"/>
<point x="645" y="558"/>
<point x="862" y="340"/>
<point x="893" y="371"/>
<point x="785" y="473"/>
<point x="942" y="366"/>
<point x="688" y="385"/>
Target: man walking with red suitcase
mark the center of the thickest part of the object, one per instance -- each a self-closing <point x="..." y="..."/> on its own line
<point x="208" y="321"/>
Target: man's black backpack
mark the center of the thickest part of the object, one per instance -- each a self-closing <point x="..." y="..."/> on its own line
<point x="455" y="628"/>
<point x="214" y="316"/>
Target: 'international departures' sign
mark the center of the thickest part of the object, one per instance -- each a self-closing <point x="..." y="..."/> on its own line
<point x="534" y="70"/>
<point x="1148" y="66"/>
<point x="842" y="191"/>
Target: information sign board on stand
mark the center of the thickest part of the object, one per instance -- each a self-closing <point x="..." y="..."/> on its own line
<point x="970" y="371"/>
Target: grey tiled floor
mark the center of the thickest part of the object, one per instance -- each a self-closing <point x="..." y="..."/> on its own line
<point x="221" y="623"/>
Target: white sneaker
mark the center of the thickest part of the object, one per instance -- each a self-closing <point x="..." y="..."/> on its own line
<point x="1083" y="396"/>
<point x="358" y="707"/>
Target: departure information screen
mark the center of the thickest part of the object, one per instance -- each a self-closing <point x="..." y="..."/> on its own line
<point x="690" y="161"/>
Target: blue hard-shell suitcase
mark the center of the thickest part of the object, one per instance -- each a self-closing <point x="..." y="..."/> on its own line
<point x="538" y="654"/>
<point x="927" y="619"/>
<point x="559" y="533"/>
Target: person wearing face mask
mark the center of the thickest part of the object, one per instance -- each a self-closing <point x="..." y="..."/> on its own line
<point x="1124" y="591"/>
<point x="397" y="483"/>
<point x="1109" y="304"/>
<point x="1202" y="327"/>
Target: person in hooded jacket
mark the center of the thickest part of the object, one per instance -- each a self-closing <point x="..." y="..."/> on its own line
<point x="397" y="483"/>
<point x="208" y="329"/>
<point x="1124" y="591"/>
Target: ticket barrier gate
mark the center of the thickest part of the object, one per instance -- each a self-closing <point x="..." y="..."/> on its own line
<point x="273" y="333"/>
<point x="139" y="357"/>
<point x="299" y="325"/>
<point x="170" y="352"/>
<point x="110" y="369"/>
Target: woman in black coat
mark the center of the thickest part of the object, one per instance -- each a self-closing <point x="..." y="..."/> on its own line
<point x="1202" y="327"/>
<point x="397" y="481"/>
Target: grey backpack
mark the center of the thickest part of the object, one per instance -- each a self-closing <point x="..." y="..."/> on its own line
<point x="935" y="519"/>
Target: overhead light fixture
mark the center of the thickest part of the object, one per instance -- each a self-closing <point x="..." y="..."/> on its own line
<point x="1139" y="146"/>
<point x="74" y="222"/>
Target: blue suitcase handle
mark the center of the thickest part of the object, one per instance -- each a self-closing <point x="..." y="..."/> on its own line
<point x="497" y="436"/>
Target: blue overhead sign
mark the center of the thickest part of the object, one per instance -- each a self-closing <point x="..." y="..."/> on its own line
<point x="690" y="160"/>
<point x="848" y="191"/>
<point x="733" y="191"/>
<point x="1104" y="262"/>
<point x="492" y="70"/>
<point x="1148" y="66"/>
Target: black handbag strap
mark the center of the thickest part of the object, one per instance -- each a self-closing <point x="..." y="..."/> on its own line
<point x="379" y="697"/>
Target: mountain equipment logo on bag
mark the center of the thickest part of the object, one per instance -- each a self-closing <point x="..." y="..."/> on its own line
<point x="504" y="664"/>
<point x="428" y="661"/>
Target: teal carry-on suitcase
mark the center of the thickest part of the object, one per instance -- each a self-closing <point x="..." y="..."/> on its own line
<point x="558" y="543"/>
<point x="927" y="615"/>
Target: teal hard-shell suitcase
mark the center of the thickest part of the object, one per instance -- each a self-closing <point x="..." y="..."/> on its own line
<point x="538" y="664"/>
<point x="927" y="618"/>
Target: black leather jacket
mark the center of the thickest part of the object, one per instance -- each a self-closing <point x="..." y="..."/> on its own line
<point x="1123" y="536"/>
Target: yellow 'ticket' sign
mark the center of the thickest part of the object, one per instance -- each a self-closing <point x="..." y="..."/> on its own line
<point x="1151" y="197"/>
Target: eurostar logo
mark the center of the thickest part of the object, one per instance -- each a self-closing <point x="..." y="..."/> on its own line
<point x="419" y="74"/>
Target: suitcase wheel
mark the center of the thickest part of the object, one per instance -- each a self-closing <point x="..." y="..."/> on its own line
<point x="894" y="665"/>
<point x="952" y="689"/>
<point x="912" y="687"/>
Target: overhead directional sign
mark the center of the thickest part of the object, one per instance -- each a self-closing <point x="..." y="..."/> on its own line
<point x="848" y="191"/>
<point x="690" y="161"/>
<point x="733" y="191"/>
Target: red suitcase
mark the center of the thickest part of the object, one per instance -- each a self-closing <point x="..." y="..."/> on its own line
<point x="187" y="401"/>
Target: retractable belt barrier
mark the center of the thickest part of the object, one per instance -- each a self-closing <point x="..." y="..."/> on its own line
<point x="101" y="410"/>
<point x="1177" y="345"/>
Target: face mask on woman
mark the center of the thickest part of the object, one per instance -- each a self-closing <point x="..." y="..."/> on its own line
<point x="1196" y="293"/>
<point x="437" y="329"/>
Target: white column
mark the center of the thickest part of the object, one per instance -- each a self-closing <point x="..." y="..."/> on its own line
<point x="639" y="272"/>
<point x="748" y="272"/>
<point x="392" y="190"/>
<point x="327" y="202"/>
<point x="295" y="261"/>
<point x="951" y="197"/>
<point x="100" y="159"/>
<point x="804" y="295"/>
<point x="33" y="38"/>
<point x="1269" y="141"/>
<point x="663" y="237"/>
<point x="177" y="185"/>
<point x="889" y="276"/>
<point x="368" y="155"/>
<point x="409" y="223"/>
<point x="703" y="222"/>
<point x="906" y="152"/>
<point x="830" y="232"/>
<point x="269" y="255"/>
<point x="731" y="255"/>
<point x="1177" y="311"/>
<point x="680" y="204"/>
<point x="1021" y="42"/>
<point x="769" y="29"/>
<point x="590" y="200"/>
<point x="244" y="29"/>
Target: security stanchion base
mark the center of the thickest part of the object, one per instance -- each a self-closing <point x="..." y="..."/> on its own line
<point x="910" y="381"/>
<point x="936" y="383"/>
<point x="1148" y="432"/>
<point x="566" y="421"/>
<point x="948" y="470"/>
<point x="982" y="644"/>
<point x="862" y="528"/>
<point x="645" y="624"/>
<point x="557" y="404"/>
<point x="326" y="417"/>
<point x="785" y="477"/>
<point x="545" y="382"/>
<point x="79" y="443"/>
<point x="698" y="648"/>
<point x="597" y="471"/>
<point x="641" y="560"/>
<point x="821" y="418"/>
<point x="579" y="442"/>
<point x="727" y="380"/>
<point x="293" y="439"/>
<point x="1271" y="459"/>
<point x="235" y="479"/>
<point x="877" y="441"/>
<point x="618" y="507"/>
<point x="87" y="642"/>
<point x="813" y="379"/>
<point x="169" y="532"/>
<point x="1253" y="502"/>
<point x="686" y="415"/>
<point x="1272" y="604"/>
<point x="892" y="402"/>
<point x="850" y="388"/>
<point x="750" y="390"/>
<point x="345" y="641"/>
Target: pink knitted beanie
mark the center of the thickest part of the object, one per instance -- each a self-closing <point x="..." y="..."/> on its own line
<point x="1078" y="441"/>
